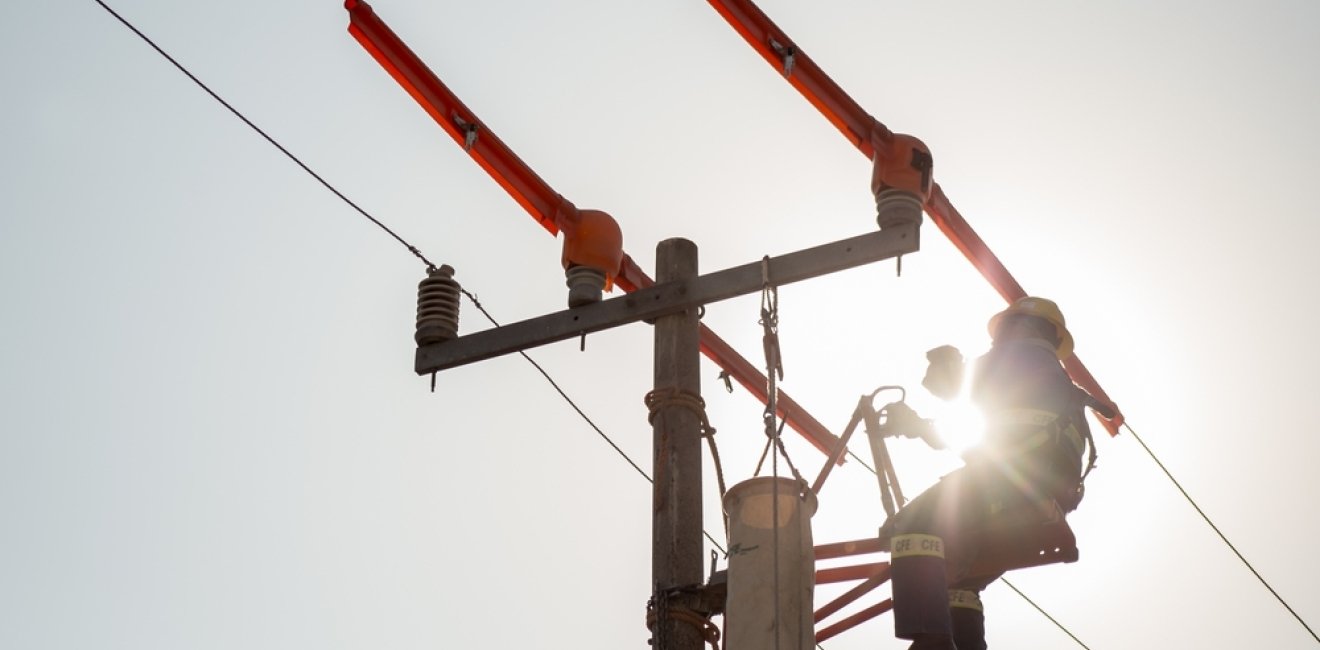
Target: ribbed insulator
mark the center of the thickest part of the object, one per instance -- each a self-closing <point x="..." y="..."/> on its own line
<point x="895" y="207"/>
<point x="585" y="285"/>
<point x="437" y="307"/>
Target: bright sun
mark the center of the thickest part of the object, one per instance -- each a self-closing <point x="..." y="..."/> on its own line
<point x="960" y="424"/>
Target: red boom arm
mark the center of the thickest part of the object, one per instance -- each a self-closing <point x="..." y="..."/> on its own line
<point x="546" y="206"/>
<point x="864" y="131"/>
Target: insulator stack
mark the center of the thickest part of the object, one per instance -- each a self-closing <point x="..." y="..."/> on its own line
<point x="900" y="180"/>
<point x="437" y="307"/>
<point x="895" y="207"/>
<point x="585" y="285"/>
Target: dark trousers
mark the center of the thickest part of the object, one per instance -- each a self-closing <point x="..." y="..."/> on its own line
<point x="955" y="510"/>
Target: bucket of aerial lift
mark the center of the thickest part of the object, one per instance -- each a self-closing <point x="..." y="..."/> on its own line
<point x="771" y="565"/>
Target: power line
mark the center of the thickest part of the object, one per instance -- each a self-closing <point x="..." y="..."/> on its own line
<point x="1220" y="533"/>
<point x="411" y="249"/>
<point x="418" y="254"/>
<point x="1042" y="611"/>
<point x="554" y="384"/>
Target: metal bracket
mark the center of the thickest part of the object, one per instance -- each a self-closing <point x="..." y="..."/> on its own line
<point x="787" y="54"/>
<point x="470" y="131"/>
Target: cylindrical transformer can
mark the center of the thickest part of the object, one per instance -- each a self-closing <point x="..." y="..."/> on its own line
<point x="762" y="538"/>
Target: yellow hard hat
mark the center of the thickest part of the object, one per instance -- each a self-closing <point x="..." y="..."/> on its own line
<point x="1043" y="309"/>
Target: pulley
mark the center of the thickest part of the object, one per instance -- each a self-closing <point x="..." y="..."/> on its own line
<point x="437" y="307"/>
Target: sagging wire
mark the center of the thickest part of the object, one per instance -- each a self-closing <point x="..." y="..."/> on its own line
<point x="411" y="249"/>
<point x="1043" y="612"/>
<point x="476" y="303"/>
<point x="1220" y="533"/>
<point x="600" y="432"/>
<point x="200" y="84"/>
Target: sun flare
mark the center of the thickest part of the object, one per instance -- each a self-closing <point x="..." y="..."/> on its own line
<point x="960" y="425"/>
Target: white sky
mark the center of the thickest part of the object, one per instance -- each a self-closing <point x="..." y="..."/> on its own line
<point x="211" y="436"/>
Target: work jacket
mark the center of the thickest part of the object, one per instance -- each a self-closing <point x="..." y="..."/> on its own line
<point x="1035" y="428"/>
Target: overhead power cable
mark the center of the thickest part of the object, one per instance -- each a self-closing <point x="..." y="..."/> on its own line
<point x="477" y="303"/>
<point x="418" y="254"/>
<point x="1043" y="612"/>
<point x="1220" y="533"/>
<point x="411" y="249"/>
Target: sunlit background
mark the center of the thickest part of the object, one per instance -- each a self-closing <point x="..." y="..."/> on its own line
<point x="211" y="435"/>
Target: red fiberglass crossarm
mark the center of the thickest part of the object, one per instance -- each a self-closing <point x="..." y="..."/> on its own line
<point x="546" y="206"/>
<point x="865" y="132"/>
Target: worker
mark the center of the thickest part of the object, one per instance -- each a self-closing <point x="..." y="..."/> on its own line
<point x="1032" y="451"/>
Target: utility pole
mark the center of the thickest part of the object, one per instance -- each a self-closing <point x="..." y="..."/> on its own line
<point x="676" y="525"/>
<point x="672" y="305"/>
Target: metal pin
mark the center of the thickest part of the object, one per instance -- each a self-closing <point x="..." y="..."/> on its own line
<point x="582" y="343"/>
<point x="433" y="382"/>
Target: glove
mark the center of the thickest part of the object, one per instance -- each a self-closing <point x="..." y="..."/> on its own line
<point x="901" y="420"/>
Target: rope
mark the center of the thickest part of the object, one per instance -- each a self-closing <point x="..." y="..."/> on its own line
<point x="661" y="398"/>
<point x="774" y="368"/>
<point x="659" y="607"/>
<point x="664" y="397"/>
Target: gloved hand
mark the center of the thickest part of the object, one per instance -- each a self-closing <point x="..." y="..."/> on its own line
<point x="901" y="420"/>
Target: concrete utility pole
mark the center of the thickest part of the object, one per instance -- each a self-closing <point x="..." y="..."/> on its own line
<point x="676" y="556"/>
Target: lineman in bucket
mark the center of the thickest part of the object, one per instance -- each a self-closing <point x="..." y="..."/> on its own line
<point x="1035" y="436"/>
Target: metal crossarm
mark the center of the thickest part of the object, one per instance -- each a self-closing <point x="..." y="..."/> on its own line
<point x="669" y="297"/>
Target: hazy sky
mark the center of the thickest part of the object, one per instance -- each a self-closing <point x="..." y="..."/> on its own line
<point x="211" y="435"/>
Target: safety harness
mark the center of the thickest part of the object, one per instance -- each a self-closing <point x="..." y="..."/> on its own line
<point x="1054" y="432"/>
<point x="1060" y="425"/>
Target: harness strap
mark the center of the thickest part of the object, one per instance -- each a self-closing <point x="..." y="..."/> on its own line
<point x="1052" y="428"/>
